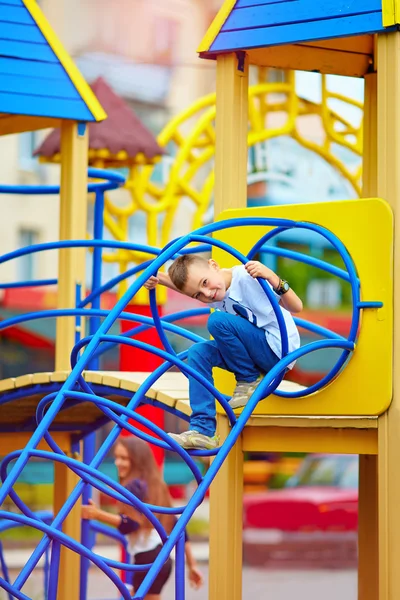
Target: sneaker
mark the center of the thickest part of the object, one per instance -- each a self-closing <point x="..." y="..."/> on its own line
<point x="243" y="391"/>
<point x="195" y="440"/>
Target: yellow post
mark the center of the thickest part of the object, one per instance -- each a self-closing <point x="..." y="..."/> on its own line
<point x="388" y="177"/>
<point x="368" y="556"/>
<point x="230" y="192"/>
<point x="68" y="582"/>
<point x="73" y="218"/>
<point x="226" y="508"/>
<point x="71" y="270"/>
<point x="231" y="132"/>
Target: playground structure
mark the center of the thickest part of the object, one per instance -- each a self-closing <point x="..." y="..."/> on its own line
<point x="351" y="410"/>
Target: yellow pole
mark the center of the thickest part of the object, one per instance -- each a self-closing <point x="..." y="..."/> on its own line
<point x="71" y="270"/>
<point x="368" y="556"/>
<point x="231" y="134"/>
<point x="73" y="218"/>
<point x="388" y="177"/>
<point x="226" y="494"/>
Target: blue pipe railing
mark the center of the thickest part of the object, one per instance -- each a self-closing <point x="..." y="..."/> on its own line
<point x="86" y="350"/>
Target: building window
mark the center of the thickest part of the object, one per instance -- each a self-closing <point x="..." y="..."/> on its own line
<point x="27" y="265"/>
<point x="27" y="144"/>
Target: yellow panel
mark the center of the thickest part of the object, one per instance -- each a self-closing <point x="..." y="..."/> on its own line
<point x="286" y="439"/>
<point x="306" y="58"/>
<point x="365" y="227"/>
<point x="390" y="12"/>
<point x="216" y="25"/>
<point x="79" y="82"/>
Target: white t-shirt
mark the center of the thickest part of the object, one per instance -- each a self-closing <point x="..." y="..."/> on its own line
<point x="245" y="297"/>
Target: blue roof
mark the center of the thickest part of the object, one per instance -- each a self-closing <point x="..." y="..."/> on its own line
<point x="263" y="23"/>
<point x="37" y="78"/>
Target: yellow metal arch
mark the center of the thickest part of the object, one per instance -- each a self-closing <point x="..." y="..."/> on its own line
<point x="190" y="139"/>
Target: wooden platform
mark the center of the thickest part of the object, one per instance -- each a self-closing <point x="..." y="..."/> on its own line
<point x="311" y="433"/>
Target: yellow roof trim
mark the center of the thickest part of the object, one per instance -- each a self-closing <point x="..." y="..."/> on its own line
<point x="66" y="61"/>
<point x="216" y="25"/>
<point x="390" y="12"/>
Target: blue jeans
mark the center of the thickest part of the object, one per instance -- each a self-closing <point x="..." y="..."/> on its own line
<point x="238" y="346"/>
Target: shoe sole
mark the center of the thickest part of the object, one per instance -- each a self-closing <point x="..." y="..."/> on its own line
<point x="191" y="446"/>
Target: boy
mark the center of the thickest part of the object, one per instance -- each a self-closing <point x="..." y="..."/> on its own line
<point x="244" y="327"/>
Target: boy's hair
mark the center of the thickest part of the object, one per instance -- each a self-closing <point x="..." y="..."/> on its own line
<point x="179" y="270"/>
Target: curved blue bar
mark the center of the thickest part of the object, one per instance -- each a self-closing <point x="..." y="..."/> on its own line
<point x="31" y="283"/>
<point x="113" y="181"/>
<point x="49" y="407"/>
<point x="308" y="260"/>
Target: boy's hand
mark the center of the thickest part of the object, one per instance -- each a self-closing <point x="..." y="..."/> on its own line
<point x="257" y="269"/>
<point x="151" y="283"/>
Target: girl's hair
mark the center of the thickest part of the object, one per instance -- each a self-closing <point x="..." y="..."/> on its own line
<point x="144" y="467"/>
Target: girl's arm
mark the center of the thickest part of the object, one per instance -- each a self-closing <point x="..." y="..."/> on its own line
<point x="124" y="524"/>
<point x="195" y="576"/>
<point x="289" y="300"/>
<point x="93" y="512"/>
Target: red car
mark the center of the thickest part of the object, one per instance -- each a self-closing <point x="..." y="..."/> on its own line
<point x="321" y="496"/>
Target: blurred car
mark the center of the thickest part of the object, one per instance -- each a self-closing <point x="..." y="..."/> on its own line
<point x="321" y="496"/>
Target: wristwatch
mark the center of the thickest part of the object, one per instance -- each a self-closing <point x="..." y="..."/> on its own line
<point x="282" y="288"/>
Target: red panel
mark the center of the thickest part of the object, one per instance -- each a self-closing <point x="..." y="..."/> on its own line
<point x="133" y="359"/>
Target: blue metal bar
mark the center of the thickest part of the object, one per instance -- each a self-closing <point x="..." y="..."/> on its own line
<point x="113" y="181"/>
<point x="224" y="450"/>
<point x="69" y="543"/>
<point x="54" y="569"/>
<point x="4" y="569"/>
<point x="323" y="331"/>
<point x="308" y="260"/>
<point x="30" y="283"/>
<point x="268" y="385"/>
<point x="76" y="244"/>
<point x="96" y="268"/>
<point x="180" y="568"/>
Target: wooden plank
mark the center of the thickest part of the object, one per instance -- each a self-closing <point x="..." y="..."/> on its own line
<point x="26" y="33"/>
<point x="327" y="440"/>
<point x="7" y="384"/>
<point x="311" y="422"/>
<point x="41" y="378"/>
<point x="59" y="376"/>
<point x="14" y="66"/>
<point x="184" y="407"/>
<point x="25" y="50"/>
<point x="15" y="14"/>
<point x="18" y="124"/>
<point x="270" y="15"/>
<point x="362" y="44"/>
<point x="44" y="107"/>
<point x="9" y="442"/>
<point x="298" y="32"/>
<point x="23" y="380"/>
<point x="38" y="86"/>
<point x="305" y="58"/>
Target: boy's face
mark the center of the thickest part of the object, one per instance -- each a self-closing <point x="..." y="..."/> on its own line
<point x="205" y="282"/>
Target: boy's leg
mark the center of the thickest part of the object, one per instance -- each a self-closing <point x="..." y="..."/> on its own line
<point x="245" y="351"/>
<point x="242" y="345"/>
<point x="202" y="357"/>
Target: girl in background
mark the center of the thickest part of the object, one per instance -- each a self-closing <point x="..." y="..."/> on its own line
<point x="139" y="473"/>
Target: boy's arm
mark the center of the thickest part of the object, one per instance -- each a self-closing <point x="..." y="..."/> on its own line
<point x="163" y="279"/>
<point x="289" y="300"/>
